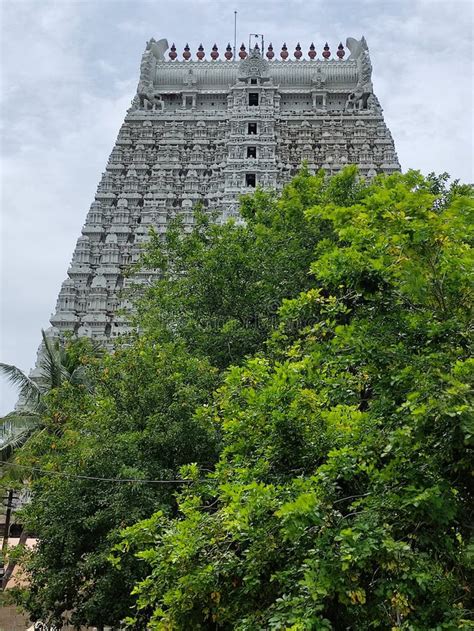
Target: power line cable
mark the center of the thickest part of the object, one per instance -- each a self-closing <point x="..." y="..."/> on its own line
<point x="73" y="476"/>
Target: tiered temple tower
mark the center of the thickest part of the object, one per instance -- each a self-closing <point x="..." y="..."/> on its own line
<point x="206" y="131"/>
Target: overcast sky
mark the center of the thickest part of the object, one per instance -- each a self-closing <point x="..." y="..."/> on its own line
<point x="69" y="70"/>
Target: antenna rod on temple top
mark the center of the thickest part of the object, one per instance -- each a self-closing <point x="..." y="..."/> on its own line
<point x="235" y="33"/>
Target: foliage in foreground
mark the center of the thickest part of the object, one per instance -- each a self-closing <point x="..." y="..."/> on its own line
<point x="341" y="495"/>
<point x="58" y="364"/>
<point x="138" y="421"/>
<point x="222" y="285"/>
<point x="137" y="424"/>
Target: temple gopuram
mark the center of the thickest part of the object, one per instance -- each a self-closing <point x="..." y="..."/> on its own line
<point x="207" y="130"/>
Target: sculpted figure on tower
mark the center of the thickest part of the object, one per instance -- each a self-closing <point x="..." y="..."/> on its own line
<point x="364" y="88"/>
<point x="147" y="97"/>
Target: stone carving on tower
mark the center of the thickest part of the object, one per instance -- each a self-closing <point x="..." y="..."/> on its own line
<point x="207" y="130"/>
<point x="254" y="66"/>
<point x="155" y="51"/>
<point x="364" y="88"/>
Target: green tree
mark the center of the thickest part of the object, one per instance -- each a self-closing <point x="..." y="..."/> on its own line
<point x="99" y="452"/>
<point x="59" y="362"/>
<point x="218" y="299"/>
<point x="222" y="285"/>
<point x="341" y="497"/>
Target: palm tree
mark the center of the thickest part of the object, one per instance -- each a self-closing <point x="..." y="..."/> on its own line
<point x="56" y="366"/>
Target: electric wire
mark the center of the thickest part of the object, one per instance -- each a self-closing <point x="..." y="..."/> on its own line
<point x="74" y="476"/>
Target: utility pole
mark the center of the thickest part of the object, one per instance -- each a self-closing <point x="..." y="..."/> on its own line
<point x="6" y="532"/>
<point x="8" y="517"/>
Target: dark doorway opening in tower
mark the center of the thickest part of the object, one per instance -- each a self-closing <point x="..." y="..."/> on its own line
<point x="253" y="99"/>
<point x="252" y="129"/>
<point x="251" y="152"/>
<point x="250" y="180"/>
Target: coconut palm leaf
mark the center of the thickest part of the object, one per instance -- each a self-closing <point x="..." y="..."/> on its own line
<point x="55" y="367"/>
<point x="52" y="362"/>
<point x="16" y="421"/>
<point x="81" y="377"/>
<point x="14" y="442"/>
<point x="16" y="428"/>
<point x="28" y="389"/>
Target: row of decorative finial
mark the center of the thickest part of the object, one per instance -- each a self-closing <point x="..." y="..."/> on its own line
<point x="270" y="54"/>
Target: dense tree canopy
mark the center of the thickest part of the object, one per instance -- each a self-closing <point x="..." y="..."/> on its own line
<point x="222" y="285"/>
<point x="308" y="376"/>
<point x="138" y="424"/>
<point x="341" y="497"/>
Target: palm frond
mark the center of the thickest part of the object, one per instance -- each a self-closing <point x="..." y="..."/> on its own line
<point x="14" y="443"/>
<point x="80" y="377"/>
<point x="51" y="362"/>
<point x="15" y="430"/>
<point x="28" y="389"/>
<point x="97" y="348"/>
<point x="48" y="361"/>
<point x="18" y="420"/>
